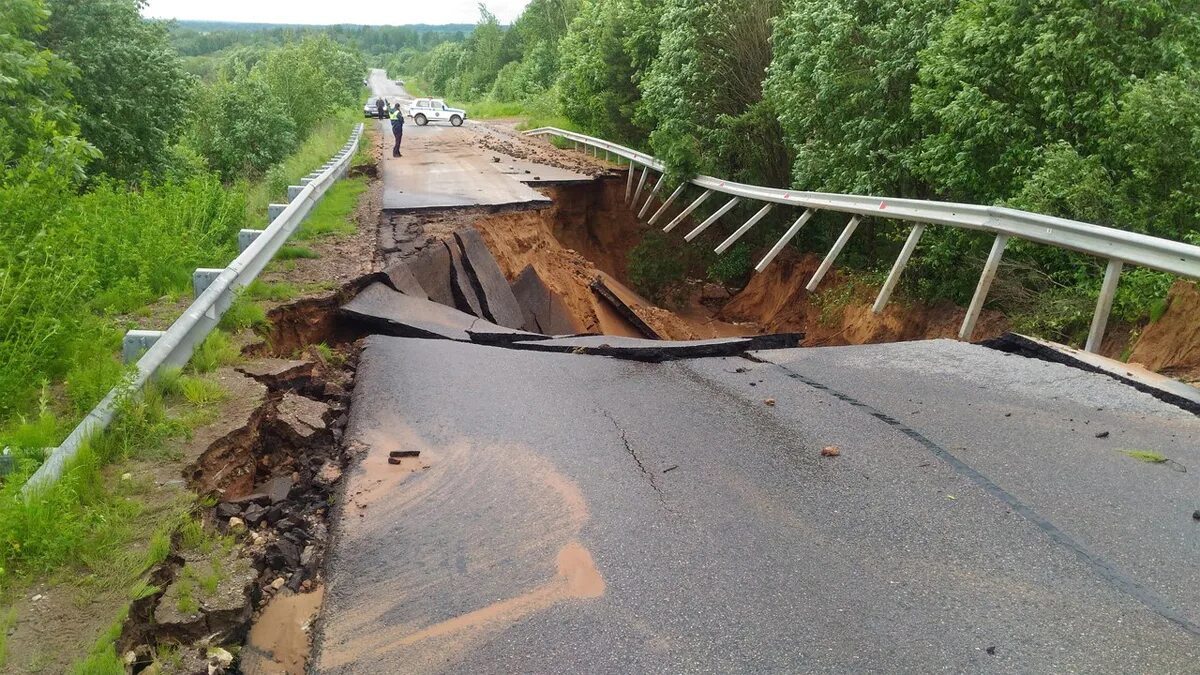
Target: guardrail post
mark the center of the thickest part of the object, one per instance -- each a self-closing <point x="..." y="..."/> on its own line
<point x="787" y="236"/>
<point x="906" y="252"/>
<point x="743" y="229"/>
<point x="712" y="219"/>
<point x="305" y="181"/>
<point x="136" y="342"/>
<point x="629" y="183"/>
<point x="1108" y="292"/>
<point x="294" y="191"/>
<point x="667" y="204"/>
<point x="273" y="211"/>
<point x="686" y="212"/>
<point x="247" y="237"/>
<point x="833" y="253"/>
<point x="641" y="185"/>
<point x="985" y="284"/>
<point x="202" y="277"/>
<point x="650" y="197"/>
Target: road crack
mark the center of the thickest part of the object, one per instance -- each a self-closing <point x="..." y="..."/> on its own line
<point x="638" y="460"/>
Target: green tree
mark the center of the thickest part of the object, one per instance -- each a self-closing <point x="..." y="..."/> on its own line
<point x="312" y="78"/>
<point x="242" y="127"/>
<point x="131" y="84"/>
<point x="704" y="96"/>
<point x="602" y="58"/>
<point x="1007" y="78"/>
<point x="840" y="80"/>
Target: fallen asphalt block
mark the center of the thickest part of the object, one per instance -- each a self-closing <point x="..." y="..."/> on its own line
<point x="389" y="312"/>
<point x="608" y="290"/>
<point x="431" y="268"/>
<point x="496" y="298"/>
<point x="544" y="310"/>
<point x="401" y="278"/>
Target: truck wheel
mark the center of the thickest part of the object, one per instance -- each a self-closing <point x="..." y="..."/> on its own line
<point x="420" y="119"/>
<point x="456" y="121"/>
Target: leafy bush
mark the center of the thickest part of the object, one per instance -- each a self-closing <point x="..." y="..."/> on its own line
<point x="654" y="265"/>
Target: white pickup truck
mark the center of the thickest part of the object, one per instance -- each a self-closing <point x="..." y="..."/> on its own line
<point x="426" y="110"/>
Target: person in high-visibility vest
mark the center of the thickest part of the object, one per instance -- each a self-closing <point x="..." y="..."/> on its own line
<point x="397" y="118"/>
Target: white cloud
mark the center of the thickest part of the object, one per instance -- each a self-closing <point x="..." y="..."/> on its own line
<point x="374" y="12"/>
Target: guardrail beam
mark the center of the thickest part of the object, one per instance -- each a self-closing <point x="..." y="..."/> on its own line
<point x="985" y="284"/>
<point x="893" y="278"/>
<point x="1108" y="292"/>
<point x="137" y="342"/>
<point x="202" y="278"/>
<point x="665" y="205"/>
<point x="273" y="211"/>
<point x="833" y="253"/>
<point x="743" y="229"/>
<point x="712" y="219"/>
<point x="783" y="241"/>
<point x="686" y="212"/>
<point x="247" y="237"/>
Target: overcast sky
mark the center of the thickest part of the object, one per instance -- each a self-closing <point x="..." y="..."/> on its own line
<point x="393" y="12"/>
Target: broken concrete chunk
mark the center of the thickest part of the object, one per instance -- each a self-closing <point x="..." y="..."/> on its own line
<point x="466" y="298"/>
<point x="544" y="311"/>
<point x="399" y="315"/>
<point x="431" y="268"/>
<point x="301" y="418"/>
<point x="280" y="372"/>
<point x="623" y="303"/>
<point x="227" y="510"/>
<point x="401" y="278"/>
<point x="496" y="297"/>
<point x="277" y="488"/>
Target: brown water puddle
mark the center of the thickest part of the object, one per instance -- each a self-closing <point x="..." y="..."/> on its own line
<point x="279" y="641"/>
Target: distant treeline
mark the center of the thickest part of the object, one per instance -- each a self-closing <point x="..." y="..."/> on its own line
<point x="199" y="38"/>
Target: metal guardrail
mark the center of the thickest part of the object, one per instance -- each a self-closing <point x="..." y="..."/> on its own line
<point x="1118" y="247"/>
<point x="215" y="290"/>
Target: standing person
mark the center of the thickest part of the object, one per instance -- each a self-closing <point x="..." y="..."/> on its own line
<point x="380" y="107"/>
<point x="397" y="118"/>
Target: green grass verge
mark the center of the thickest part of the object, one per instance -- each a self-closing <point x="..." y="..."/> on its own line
<point x="333" y="217"/>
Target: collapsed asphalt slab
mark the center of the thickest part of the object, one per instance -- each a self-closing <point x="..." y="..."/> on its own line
<point x="657" y="351"/>
<point x="392" y="313"/>
<point x="570" y="513"/>
<point x="544" y="311"/>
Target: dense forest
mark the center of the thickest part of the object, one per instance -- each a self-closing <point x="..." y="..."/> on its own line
<point x="1081" y="110"/>
<point x="121" y="172"/>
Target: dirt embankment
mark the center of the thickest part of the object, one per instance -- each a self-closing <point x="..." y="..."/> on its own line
<point x="587" y="233"/>
<point x="1171" y="345"/>
<point x="840" y="312"/>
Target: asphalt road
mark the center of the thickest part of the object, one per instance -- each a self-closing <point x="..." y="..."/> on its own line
<point x="573" y="513"/>
<point x="446" y="167"/>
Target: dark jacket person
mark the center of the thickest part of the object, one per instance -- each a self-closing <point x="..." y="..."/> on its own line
<point x="380" y="107"/>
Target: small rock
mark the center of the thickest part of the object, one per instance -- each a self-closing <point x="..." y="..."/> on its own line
<point x="237" y="525"/>
<point x="306" y="585"/>
<point x="129" y="658"/>
<point x="830" y="451"/>
<point x="1196" y="514"/>
<point x="769" y="401"/>
<point x="277" y="488"/>
<point x="227" y="510"/>
<point x="37" y="597"/>
<point x="220" y="657"/>
<point x="254" y="515"/>
<point x="127" y="476"/>
<point x="739" y="370"/>
<point x="278" y="583"/>
<point x="1102" y="434"/>
<point x="991" y="651"/>
<point x="1008" y="414"/>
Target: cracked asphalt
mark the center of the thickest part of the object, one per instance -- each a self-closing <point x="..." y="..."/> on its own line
<point x="974" y="520"/>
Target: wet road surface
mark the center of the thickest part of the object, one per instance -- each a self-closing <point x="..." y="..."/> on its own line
<point x="574" y="513"/>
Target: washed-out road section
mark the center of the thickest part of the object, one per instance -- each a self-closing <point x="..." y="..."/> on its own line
<point x="578" y="513"/>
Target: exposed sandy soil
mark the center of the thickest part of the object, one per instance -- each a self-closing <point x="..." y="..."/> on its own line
<point x="587" y="231"/>
<point x="777" y="300"/>
<point x="1171" y="345"/>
